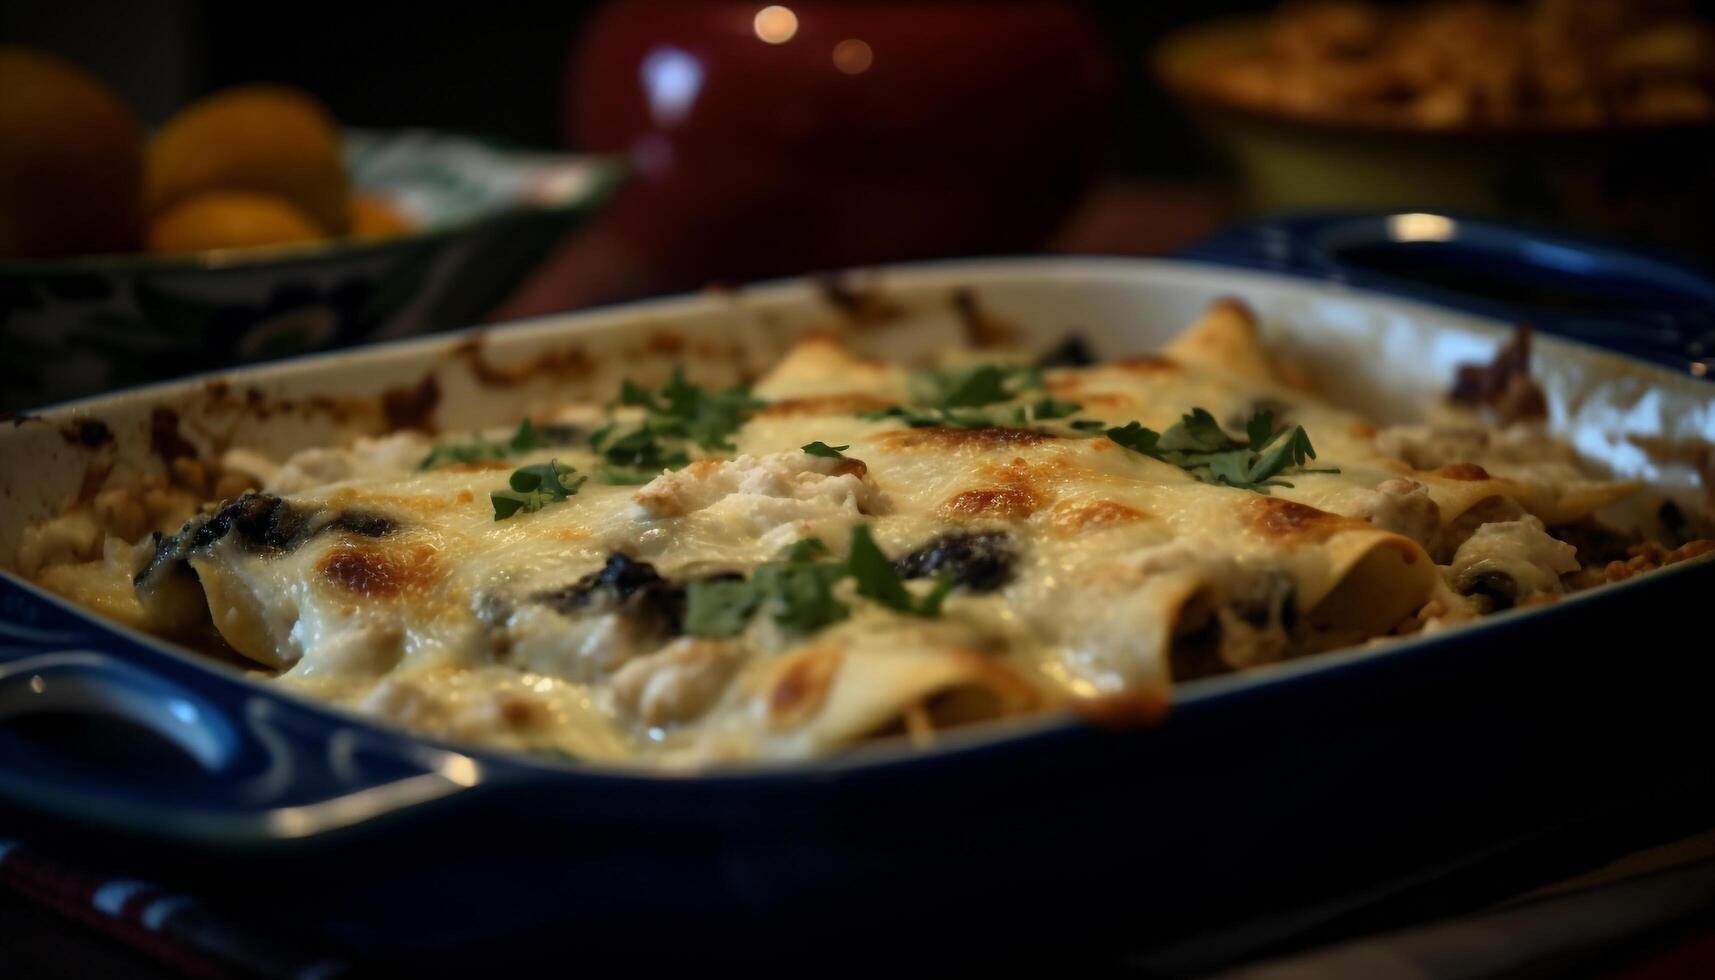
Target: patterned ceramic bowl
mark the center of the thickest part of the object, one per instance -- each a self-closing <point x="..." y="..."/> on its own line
<point x="485" y="217"/>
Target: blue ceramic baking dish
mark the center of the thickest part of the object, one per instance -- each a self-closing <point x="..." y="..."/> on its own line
<point x="1276" y="788"/>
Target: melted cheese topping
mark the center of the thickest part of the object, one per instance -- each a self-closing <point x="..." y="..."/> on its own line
<point x="1123" y="574"/>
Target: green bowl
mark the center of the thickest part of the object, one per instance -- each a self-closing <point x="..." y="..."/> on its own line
<point x="485" y="216"/>
<point x="1644" y="185"/>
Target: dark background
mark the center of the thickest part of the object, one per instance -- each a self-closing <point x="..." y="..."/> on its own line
<point x="495" y="68"/>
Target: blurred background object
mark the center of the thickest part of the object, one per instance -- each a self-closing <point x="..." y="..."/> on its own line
<point x="71" y="160"/>
<point x="1587" y="115"/>
<point x="248" y="225"/>
<point x="442" y="229"/>
<point x="877" y="131"/>
<point x="830" y="133"/>
<point x="770" y="139"/>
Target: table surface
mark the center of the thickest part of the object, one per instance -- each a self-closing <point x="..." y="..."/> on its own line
<point x="1647" y="916"/>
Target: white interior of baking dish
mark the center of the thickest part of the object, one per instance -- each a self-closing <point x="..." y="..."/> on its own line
<point x="1383" y="356"/>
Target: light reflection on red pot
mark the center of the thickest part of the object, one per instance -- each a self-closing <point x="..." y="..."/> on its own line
<point x="772" y="139"/>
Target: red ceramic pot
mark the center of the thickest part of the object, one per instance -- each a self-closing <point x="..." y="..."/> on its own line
<point x="775" y="139"/>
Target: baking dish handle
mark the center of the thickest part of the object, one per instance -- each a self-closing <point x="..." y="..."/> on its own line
<point x="104" y="727"/>
<point x="1640" y="305"/>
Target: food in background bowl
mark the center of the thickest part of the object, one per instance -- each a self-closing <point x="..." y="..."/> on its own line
<point x="1556" y="63"/>
<point x="1592" y="116"/>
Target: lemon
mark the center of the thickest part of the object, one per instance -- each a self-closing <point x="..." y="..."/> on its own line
<point x="71" y="160"/>
<point x="229" y="219"/>
<point x="266" y="139"/>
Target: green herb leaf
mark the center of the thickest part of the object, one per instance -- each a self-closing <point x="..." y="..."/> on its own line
<point x="949" y="397"/>
<point x="642" y="450"/>
<point x="1088" y="425"/>
<point x="823" y="449"/>
<point x="1042" y="410"/>
<point x="1198" y="445"/>
<point x="1053" y="408"/>
<point x="527" y="439"/>
<point x="443" y="453"/>
<point x="806" y="549"/>
<point x="798" y="591"/>
<point x="881" y="414"/>
<point x="623" y="476"/>
<point x="630" y="393"/>
<point x="968" y="386"/>
<point x="708" y="418"/>
<point x="879" y="580"/>
<point x="553" y="479"/>
<point x="1197" y="432"/>
<point x="800" y="594"/>
<point x="601" y="435"/>
<point x="1260" y="430"/>
<point x="876" y="577"/>
<point x="1292" y="451"/>
<point x="719" y="608"/>
<point x="637" y="441"/>
<point x="1138" y="439"/>
<point x="506" y="503"/>
<point x="910" y="416"/>
<point x="534" y="487"/>
<point x="678" y="413"/>
<point x="971" y="385"/>
<point x="1232" y="468"/>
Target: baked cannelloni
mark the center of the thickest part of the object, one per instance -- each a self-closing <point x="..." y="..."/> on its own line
<point x="851" y="549"/>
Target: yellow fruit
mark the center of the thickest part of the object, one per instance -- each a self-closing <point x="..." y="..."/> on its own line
<point x="373" y="217"/>
<point x="229" y="219"/>
<point x="267" y="139"/>
<point x="71" y="160"/>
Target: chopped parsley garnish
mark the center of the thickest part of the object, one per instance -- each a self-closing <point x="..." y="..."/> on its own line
<point x="534" y="487"/>
<point x="798" y="592"/>
<point x="971" y="396"/>
<point x="677" y="414"/>
<point x="1138" y="439"/>
<point x="1044" y="410"/>
<point x="927" y="418"/>
<point x="637" y="456"/>
<point x="806" y="549"/>
<point x="625" y="476"/>
<point x="878" y="579"/>
<point x="819" y="448"/>
<point x="527" y="439"/>
<point x="1198" y="445"/>
<point x="683" y="410"/>
<point x="720" y="607"/>
<point x="972" y="386"/>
